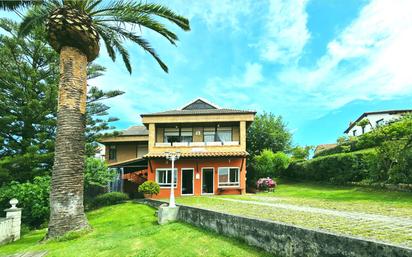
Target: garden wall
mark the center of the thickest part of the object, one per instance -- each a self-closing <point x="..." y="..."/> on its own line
<point x="285" y="240"/>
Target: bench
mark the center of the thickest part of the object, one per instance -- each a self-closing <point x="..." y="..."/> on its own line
<point x="222" y="189"/>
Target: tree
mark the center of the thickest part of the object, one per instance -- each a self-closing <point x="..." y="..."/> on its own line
<point x="28" y="107"/>
<point x="270" y="164"/>
<point x="74" y="29"/>
<point x="363" y="123"/>
<point x="301" y="152"/>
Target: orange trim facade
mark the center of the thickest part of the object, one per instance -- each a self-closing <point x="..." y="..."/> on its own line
<point x="197" y="164"/>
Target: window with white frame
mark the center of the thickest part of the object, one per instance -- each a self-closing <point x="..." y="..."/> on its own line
<point x="171" y="135"/>
<point x="209" y="134"/>
<point x="186" y="135"/>
<point x="164" y="177"/>
<point x="224" y="134"/>
<point x="229" y="177"/>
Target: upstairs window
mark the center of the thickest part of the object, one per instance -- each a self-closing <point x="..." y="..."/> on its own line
<point x="229" y="177"/>
<point x="112" y="152"/>
<point x="224" y="134"/>
<point x="354" y="132"/>
<point x="171" y="135"/>
<point x="164" y="177"/>
<point x="209" y="135"/>
<point x="379" y="123"/>
<point x="186" y="135"/>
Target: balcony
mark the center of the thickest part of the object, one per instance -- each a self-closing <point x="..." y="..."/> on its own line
<point x="197" y="144"/>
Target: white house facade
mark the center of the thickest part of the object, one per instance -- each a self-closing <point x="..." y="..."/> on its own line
<point x="376" y="119"/>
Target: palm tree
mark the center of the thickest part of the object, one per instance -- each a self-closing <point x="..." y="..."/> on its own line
<point x="74" y="29"/>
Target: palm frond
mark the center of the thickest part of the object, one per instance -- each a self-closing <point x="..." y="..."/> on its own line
<point x="16" y="4"/>
<point x="35" y="17"/>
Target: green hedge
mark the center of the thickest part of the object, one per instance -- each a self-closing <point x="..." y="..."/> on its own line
<point x="108" y="199"/>
<point x="337" y="168"/>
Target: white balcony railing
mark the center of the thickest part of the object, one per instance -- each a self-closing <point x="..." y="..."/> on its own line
<point x="197" y="144"/>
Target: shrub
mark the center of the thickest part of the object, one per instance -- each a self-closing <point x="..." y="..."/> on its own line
<point x="109" y="199"/>
<point x="269" y="164"/>
<point x="337" y="168"/>
<point x="149" y="187"/>
<point x="33" y="197"/>
<point x="96" y="177"/>
<point x="265" y="184"/>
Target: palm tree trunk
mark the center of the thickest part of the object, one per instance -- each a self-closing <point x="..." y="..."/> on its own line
<point x="66" y="196"/>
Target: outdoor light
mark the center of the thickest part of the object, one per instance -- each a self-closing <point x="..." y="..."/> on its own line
<point x="172" y="156"/>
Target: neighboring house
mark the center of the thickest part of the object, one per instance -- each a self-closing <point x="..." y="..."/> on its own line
<point x="376" y="119"/>
<point x="100" y="152"/>
<point x="323" y="147"/>
<point x="212" y="142"/>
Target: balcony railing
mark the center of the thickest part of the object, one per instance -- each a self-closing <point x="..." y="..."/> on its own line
<point x="197" y="144"/>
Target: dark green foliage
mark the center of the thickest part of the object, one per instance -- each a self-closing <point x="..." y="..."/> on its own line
<point x="33" y="198"/>
<point x="337" y="168"/>
<point x="28" y="105"/>
<point x="270" y="164"/>
<point x="399" y="130"/>
<point x="266" y="132"/>
<point x="109" y="199"/>
<point x="150" y="188"/>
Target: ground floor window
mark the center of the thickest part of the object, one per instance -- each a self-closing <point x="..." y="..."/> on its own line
<point x="164" y="177"/>
<point x="229" y="177"/>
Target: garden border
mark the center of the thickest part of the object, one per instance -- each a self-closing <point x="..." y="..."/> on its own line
<point x="284" y="239"/>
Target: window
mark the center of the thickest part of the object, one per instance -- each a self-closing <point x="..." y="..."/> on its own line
<point x="379" y="123"/>
<point x="224" y="134"/>
<point x="186" y="135"/>
<point x="354" y="132"/>
<point x="112" y="152"/>
<point x="209" y="135"/>
<point x="163" y="177"/>
<point x="171" y="135"/>
<point x="229" y="177"/>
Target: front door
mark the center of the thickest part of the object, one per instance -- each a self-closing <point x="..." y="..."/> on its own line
<point x="187" y="181"/>
<point x="207" y="180"/>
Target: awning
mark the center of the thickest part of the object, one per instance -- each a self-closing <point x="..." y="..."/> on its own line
<point x="138" y="163"/>
<point x="201" y="154"/>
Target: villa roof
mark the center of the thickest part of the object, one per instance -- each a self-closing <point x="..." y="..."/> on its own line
<point x="199" y="106"/>
<point x="353" y="124"/>
<point x="135" y="131"/>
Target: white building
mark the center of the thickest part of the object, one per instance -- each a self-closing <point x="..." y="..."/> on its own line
<point x="376" y="119"/>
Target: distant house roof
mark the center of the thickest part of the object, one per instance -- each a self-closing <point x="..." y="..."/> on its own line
<point x="135" y="131"/>
<point x="324" y="147"/>
<point x="199" y="106"/>
<point x="353" y="124"/>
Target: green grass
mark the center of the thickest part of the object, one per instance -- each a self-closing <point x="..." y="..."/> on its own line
<point x="348" y="199"/>
<point x="130" y="229"/>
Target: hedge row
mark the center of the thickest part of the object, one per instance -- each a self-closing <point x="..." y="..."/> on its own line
<point x="337" y="168"/>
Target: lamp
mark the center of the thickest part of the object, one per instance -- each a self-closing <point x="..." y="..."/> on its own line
<point x="172" y="156"/>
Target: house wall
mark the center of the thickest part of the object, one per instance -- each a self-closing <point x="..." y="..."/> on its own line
<point x="373" y="118"/>
<point x="197" y="165"/>
<point x="127" y="151"/>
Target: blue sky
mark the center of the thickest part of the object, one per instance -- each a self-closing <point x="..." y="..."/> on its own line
<point x="318" y="63"/>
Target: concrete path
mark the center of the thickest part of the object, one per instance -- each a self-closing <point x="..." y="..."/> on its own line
<point x="387" y="220"/>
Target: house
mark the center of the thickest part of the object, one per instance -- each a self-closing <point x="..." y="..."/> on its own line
<point x="323" y="147"/>
<point x="375" y="119"/>
<point x="211" y="141"/>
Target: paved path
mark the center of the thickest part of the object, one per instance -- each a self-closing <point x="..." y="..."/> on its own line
<point x="387" y="220"/>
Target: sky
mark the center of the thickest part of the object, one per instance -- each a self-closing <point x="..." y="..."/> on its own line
<point x="317" y="63"/>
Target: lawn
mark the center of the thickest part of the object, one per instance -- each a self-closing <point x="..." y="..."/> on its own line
<point x="354" y="211"/>
<point x="130" y="229"/>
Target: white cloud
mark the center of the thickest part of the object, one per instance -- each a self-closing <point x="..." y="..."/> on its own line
<point x="286" y="33"/>
<point x="369" y="59"/>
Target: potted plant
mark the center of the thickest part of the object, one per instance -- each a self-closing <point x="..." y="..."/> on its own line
<point x="149" y="188"/>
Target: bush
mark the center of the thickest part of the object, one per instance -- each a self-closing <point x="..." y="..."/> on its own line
<point x="265" y="184"/>
<point x="149" y="187"/>
<point x="269" y="164"/>
<point x="336" y="168"/>
<point x="109" y="199"/>
<point x="96" y="176"/>
<point x="33" y="197"/>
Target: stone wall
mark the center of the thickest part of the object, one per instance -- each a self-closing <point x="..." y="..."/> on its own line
<point x="5" y="230"/>
<point x="285" y="240"/>
<point x="10" y="226"/>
